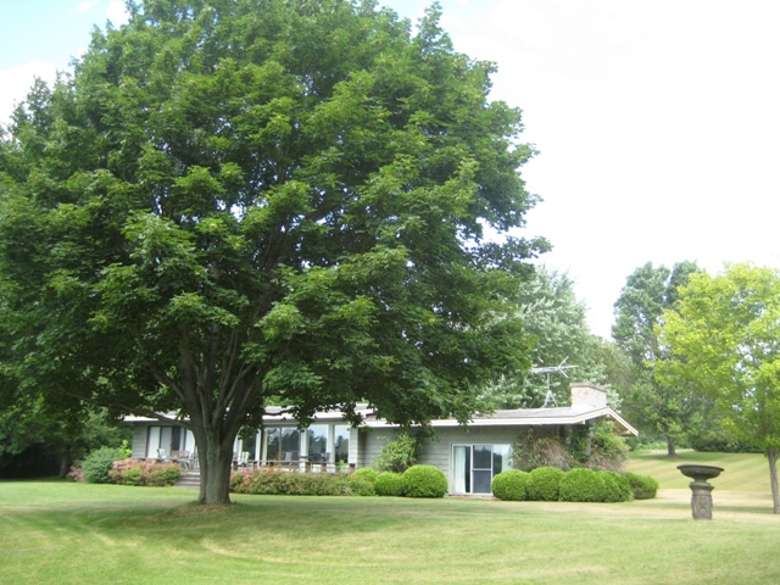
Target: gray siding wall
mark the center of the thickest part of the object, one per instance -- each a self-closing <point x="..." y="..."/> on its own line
<point x="437" y="450"/>
<point x="139" y="441"/>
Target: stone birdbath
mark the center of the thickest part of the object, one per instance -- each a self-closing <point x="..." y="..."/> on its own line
<point x="701" y="498"/>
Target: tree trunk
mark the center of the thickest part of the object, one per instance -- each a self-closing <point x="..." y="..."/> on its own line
<point x="771" y="455"/>
<point x="216" y="460"/>
<point x="670" y="450"/>
<point x="64" y="463"/>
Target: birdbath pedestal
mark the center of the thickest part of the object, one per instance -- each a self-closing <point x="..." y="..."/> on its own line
<point x="701" y="497"/>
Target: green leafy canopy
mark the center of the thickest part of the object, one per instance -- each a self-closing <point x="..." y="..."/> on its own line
<point x="237" y="202"/>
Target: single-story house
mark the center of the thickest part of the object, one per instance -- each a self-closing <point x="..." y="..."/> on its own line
<point x="469" y="455"/>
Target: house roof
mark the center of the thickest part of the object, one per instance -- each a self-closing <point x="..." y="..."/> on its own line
<point x="563" y="415"/>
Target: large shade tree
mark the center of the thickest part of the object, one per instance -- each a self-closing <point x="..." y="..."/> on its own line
<point x="239" y="202"/>
<point x="723" y="337"/>
<point x="661" y="409"/>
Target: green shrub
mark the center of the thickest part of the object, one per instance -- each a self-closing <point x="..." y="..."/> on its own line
<point x="280" y="482"/>
<point x="544" y="484"/>
<point x="398" y="455"/>
<point x="160" y="474"/>
<point x="97" y="465"/>
<point x="366" y="473"/>
<point x="643" y="487"/>
<point x="361" y="486"/>
<point x="131" y="476"/>
<point x="582" y="485"/>
<point x="152" y="473"/>
<point x="616" y="487"/>
<point x="511" y="485"/>
<point x="424" y="481"/>
<point x="389" y="484"/>
<point x="237" y="481"/>
<point x="532" y="450"/>
<point x="608" y="449"/>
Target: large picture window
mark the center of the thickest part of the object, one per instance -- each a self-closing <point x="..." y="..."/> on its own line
<point x="318" y="443"/>
<point x="475" y="466"/>
<point x="283" y="444"/>
<point x="342" y="443"/>
<point x="163" y="441"/>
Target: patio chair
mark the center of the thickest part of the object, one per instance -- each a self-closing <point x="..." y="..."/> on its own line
<point x="184" y="459"/>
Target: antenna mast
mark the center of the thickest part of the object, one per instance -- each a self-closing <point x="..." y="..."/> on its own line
<point x="549" y="398"/>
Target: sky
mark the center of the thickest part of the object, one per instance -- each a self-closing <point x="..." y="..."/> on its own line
<point x="657" y="123"/>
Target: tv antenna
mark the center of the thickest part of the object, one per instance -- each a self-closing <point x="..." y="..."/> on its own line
<point x="547" y="371"/>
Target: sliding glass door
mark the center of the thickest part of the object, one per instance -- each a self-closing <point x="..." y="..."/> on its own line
<point x="474" y="466"/>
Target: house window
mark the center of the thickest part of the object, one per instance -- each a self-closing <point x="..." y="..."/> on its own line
<point x="342" y="443"/>
<point x="318" y="443"/>
<point x="162" y="441"/>
<point x="248" y="439"/>
<point x="475" y="466"/>
<point x="175" y="438"/>
<point x="284" y="444"/>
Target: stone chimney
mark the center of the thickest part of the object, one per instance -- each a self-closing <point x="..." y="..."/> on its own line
<point x="587" y="395"/>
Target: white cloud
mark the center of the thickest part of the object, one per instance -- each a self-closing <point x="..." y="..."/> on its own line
<point x="86" y="6"/>
<point x="15" y="82"/>
<point x="116" y="13"/>
<point x="657" y="125"/>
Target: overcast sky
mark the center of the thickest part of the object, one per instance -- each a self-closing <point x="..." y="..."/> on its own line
<point x="657" y="122"/>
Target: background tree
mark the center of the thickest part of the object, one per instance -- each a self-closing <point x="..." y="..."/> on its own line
<point x="554" y="320"/>
<point x="241" y="202"/>
<point x="659" y="409"/>
<point x="724" y="340"/>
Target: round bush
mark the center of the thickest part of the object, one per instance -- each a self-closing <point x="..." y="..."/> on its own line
<point x="582" y="485"/>
<point x="98" y="463"/>
<point x="644" y="487"/>
<point x="389" y="484"/>
<point x="511" y="485"/>
<point x="544" y="484"/>
<point x="398" y="455"/>
<point x="424" y="481"/>
<point x="616" y="487"/>
<point x="360" y="485"/>
<point x="366" y="473"/>
<point x="163" y="474"/>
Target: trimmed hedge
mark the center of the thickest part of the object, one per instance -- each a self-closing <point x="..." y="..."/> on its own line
<point x="361" y="481"/>
<point x="616" y="487"/>
<point x="588" y="485"/>
<point x="389" y="484"/>
<point x="97" y="465"/>
<point x="544" y="484"/>
<point x="361" y="485"/>
<point x="424" y="481"/>
<point x="582" y="485"/>
<point x="292" y="483"/>
<point x="643" y="487"/>
<point x="366" y="473"/>
<point x="151" y="473"/>
<point x="511" y="485"/>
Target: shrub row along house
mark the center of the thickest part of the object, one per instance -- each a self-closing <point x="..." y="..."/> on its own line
<point x="469" y="455"/>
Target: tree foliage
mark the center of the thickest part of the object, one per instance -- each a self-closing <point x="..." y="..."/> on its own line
<point x="240" y="202"/>
<point x="723" y="337"/>
<point x="659" y="408"/>
<point x="555" y="323"/>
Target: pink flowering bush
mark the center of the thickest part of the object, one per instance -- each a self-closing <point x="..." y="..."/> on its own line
<point x="137" y="472"/>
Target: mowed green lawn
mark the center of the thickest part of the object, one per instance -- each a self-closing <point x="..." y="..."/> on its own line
<point x="63" y="533"/>
<point x="743" y="472"/>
